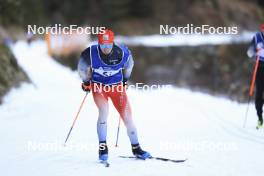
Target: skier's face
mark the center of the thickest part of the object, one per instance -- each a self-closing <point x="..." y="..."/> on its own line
<point x="106" y="48"/>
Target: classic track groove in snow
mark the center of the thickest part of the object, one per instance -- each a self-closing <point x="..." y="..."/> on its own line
<point x="172" y="123"/>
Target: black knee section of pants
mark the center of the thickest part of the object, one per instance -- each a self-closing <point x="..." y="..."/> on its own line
<point x="259" y="90"/>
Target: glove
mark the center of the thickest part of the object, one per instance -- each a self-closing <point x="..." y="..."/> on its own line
<point x="86" y="86"/>
<point x="260" y="52"/>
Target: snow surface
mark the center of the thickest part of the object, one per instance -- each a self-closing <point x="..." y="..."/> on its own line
<point x="186" y="40"/>
<point x="174" y="123"/>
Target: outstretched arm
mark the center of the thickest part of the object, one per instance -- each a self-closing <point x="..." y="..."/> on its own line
<point x="251" y="52"/>
<point x="84" y="66"/>
<point x="128" y="67"/>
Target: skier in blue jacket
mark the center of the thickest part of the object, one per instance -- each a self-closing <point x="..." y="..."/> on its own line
<point x="256" y="50"/>
<point x="107" y="64"/>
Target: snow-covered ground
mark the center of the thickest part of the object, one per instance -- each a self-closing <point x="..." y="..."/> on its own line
<point x="174" y="123"/>
<point x="186" y="40"/>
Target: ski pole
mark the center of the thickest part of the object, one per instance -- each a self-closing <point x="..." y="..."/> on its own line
<point x="117" y="135"/>
<point x="251" y="89"/>
<point x="75" y="118"/>
<point x="118" y="127"/>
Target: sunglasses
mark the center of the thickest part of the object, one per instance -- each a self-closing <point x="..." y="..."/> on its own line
<point x="106" y="46"/>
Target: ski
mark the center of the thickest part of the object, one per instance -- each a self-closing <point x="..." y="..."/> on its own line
<point x="157" y="158"/>
<point x="105" y="163"/>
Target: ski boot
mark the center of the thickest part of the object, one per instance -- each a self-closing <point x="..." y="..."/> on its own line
<point x="260" y="123"/>
<point x="103" y="151"/>
<point x="139" y="153"/>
